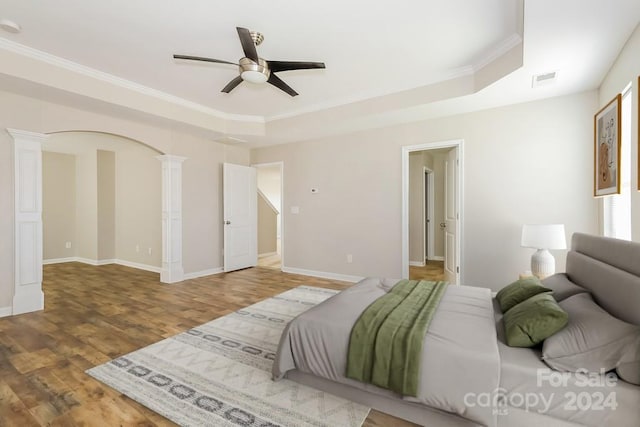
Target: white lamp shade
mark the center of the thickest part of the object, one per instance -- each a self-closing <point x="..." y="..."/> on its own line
<point x="543" y="236"/>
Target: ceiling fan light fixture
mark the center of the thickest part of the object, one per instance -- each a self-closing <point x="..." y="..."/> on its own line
<point x="253" y="69"/>
<point x="252" y="72"/>
<point x="254" y="76"/>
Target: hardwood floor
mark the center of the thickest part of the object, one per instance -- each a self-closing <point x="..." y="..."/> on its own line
<point x="270" y="261"/>
<point x="93" y="314"/>
<point x="433" y="270"/>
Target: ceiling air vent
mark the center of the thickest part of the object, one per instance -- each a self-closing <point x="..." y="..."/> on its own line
<point x="544" y="79"/>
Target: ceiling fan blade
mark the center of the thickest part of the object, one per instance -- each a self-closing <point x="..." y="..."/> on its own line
<point x="248" y="46"/>
<point x="275" y="80"/>
<point x="276" y="66"/>
<point x="200" y="58"/>
<point x="232" y="84"/>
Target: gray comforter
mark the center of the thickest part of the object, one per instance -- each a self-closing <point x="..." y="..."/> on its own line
<point x="460" y="356"/>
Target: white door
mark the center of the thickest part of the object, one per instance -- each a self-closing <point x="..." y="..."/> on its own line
<point x="240" y="217"/>
<point x="451" y="229"/>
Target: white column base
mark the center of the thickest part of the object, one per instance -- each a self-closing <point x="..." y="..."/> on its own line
<point x="171" y="274"/>
<point x="27" y="299"/>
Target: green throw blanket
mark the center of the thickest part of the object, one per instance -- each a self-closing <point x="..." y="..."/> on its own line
<point x="385" y="347"/>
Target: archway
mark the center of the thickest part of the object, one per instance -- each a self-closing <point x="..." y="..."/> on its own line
<point x="28" y="232"/>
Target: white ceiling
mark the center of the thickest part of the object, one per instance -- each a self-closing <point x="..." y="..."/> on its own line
<point x="372" y="49"/>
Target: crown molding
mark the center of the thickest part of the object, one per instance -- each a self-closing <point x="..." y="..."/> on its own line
<point x="57" y="61"/>
<point x="501" y="49"/>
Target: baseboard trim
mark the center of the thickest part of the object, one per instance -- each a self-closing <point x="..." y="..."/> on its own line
<point x="139" y="266"/>
<point x="89" y="261"/>
<point x="416" y="264"/>
<point x="323" y="274"/>
<point x="99" y="262"/>
<point x="436" y="258"/>
<point x="203" y="273"/>
<point x="58" y="260"/>
<point x="6" y="311"/>
<point x="267" y="254"/>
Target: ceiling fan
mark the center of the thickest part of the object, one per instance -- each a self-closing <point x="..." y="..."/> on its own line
<point x="255" y="69"/>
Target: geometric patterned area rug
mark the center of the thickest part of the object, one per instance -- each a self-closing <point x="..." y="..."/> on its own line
<point x="219" y="373"/>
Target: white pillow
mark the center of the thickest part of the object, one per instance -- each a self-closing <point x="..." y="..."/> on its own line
<point x="593" y="340"/>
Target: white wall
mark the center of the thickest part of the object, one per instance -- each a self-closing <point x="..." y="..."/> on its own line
<point x="625" y="70"/>
<point x="527" y="163"/>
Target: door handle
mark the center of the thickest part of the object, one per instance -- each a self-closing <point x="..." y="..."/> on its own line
<point x="443" y="225"/>
<point x="227" y="223"/>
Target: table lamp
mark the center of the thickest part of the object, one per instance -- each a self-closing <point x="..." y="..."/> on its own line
<point x="543" y="237"/>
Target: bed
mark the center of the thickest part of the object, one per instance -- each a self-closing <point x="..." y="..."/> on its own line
<point x="468" y="363"/>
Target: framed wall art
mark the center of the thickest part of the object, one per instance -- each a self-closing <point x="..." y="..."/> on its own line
<point x="607" y="148"/>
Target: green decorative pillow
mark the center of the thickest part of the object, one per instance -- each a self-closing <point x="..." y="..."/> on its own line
<point x="518" y="291"/>
<point x="533" y="320"/>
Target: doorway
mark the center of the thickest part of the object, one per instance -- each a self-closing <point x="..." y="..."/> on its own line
<point x="428" y="265"/>
<point x="432" y="211"/>
<point x="27" y="227"/>
<point x="270" y="219"/>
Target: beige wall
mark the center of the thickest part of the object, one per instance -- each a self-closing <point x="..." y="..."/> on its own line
<point x="269" y="182"/>
<point x="625" y="70"/>
<point x="106" y="193"/>
<point x="87" y="204"/>
<point x="202" y="225"/>
<point x="525" y="163"/>
<point x="58" y="205"/>
<point x="119" y="195"/>
<point x="267" y="219"/>
<point x="202" y="173"/>
<point x="138" y="218"/>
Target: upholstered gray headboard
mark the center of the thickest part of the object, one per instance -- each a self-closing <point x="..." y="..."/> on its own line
<point x="610" y="269"/>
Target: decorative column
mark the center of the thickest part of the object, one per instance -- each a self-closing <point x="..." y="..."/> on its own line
<point x="171" y="219"/>
<point x="27" y="153"/>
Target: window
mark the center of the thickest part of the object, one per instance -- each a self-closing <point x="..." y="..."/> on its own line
<point x="617" y="208"/>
